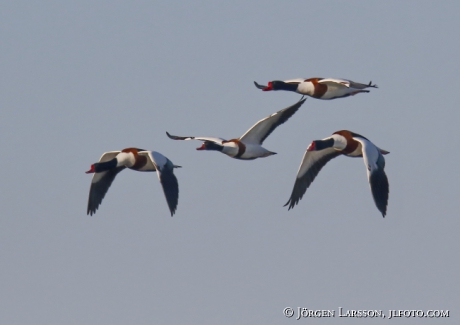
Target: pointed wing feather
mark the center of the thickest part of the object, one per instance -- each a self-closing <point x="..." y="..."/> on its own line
<point x="259" y="86"/>
<point x="98" y="189"/>
<point x="380" y="189"/>
<point x="216" y="140"/>
<point x="378" y="181"/>
<point x="358" y="85"/>
<point x="312" y="163"/>
<point x="262" y="129"/>
<point x="165" y="172"/>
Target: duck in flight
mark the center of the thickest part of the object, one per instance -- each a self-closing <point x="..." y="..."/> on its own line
<point x="320" y="88"/>
<point x="350" y="144"/>
<point x="249" y="145"/>
<point x="113" y="162"/>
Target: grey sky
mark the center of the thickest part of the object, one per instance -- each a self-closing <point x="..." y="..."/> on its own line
<point x="81" y="78"/>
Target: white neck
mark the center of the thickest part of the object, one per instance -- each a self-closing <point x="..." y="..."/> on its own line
<point x="306" y="88"/>
<point x="339" y="141"/>
<point x="125" y="159"/>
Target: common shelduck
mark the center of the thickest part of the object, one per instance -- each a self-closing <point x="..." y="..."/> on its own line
<point x="113" y="162"/>
<point x="249" y="145"/>
<point x="350" y="144"/>
<point x="320" y="88"/>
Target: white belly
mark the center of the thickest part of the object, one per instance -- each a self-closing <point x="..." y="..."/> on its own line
<point x="255" y="151"/>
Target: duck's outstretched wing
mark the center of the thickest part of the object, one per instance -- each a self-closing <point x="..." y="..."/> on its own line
<point x="262" y="129"/>
<point x="378" y="180"/>
<point x="101" y="182"/>
<point x="165" y="172"/>
<point x="216" y="140"/>
<point x="310" y="166"/>
<point x="346" y="83"/>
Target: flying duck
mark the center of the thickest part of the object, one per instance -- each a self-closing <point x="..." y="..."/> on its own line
<point x="113" y="162"/>
<point x="350" y="144"/>
<point x="320" y="88"/>
<point x="249" y="145"/>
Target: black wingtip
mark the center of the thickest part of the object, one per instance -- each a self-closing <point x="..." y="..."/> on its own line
<point x="259" y="86"/>
<point x="175" y="137"/>
<point x="380" y="190"/>
<point x="172" y="137"/>
<point x="90" y="212"/>
<point x="300" y="102"/>
<point x="291" y="204"/>
<point x="172" y="206"/>
<point x="170" y="187"/>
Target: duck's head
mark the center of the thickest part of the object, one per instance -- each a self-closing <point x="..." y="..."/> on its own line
<point x="280" y="85"/>
<point x="103" y="166"/>
<point x="209" y="145"/>
<point x="92" y="169"/>
<point x="273" y="85"/>
<point x="318" y="145"/>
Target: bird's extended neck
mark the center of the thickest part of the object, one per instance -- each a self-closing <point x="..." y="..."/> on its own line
<point x="209" y="145"/>
<point x="104" y="166"/>
<point x="281" y="85"/>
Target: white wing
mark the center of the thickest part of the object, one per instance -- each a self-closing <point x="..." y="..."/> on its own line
<point x="333" y="81"/>
<point x="378" y="181"/>
<point x="262" y="129"/>
<point x="310" y="166"/>
<point x="294" y="81"/>
<point x="165" y="173"/>
<point x="216" y="140"/>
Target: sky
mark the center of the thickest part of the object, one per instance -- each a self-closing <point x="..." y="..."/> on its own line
<point x="81" y="78"/>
